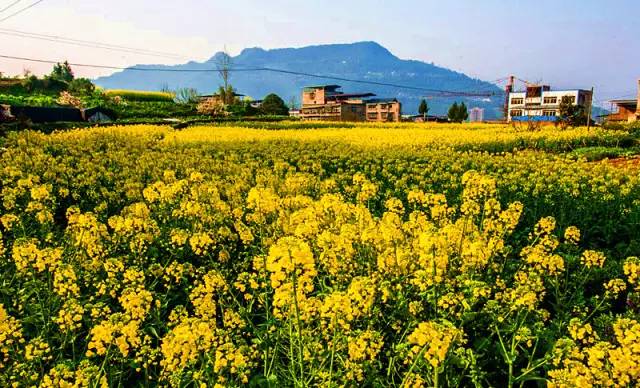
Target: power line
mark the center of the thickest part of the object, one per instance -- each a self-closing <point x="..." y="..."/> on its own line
<point x="443" y="93"/>
<point x="453" y="93"/>
<point x="9" y="6"/>
<point x="21" y="10"/>
<point x="93" y="44"/>
<point x="87" y="43"/>
<point x="112" y="47"/>
<point x="108" y="67"/>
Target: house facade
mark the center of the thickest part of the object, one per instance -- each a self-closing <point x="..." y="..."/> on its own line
<point x="384" y="110"/>
<point x="328" y="102"/>
<point x="540" y="103"/>
<point x="626" y="111"/>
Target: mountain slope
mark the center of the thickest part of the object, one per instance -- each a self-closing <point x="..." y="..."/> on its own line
<point x="366" y="61"/>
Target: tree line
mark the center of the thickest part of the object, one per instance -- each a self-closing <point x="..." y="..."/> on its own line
<point x="457" y="112"/>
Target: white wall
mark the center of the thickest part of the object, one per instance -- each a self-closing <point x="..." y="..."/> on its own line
<point x="540" y="100"/>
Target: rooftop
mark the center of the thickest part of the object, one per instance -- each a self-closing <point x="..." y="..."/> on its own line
<point x="351" y="95"/>
<point x="553" y="90"/>
<point x="326" y="87"/>
<point x="624" y="102"/>
<point x="381" y="100"/>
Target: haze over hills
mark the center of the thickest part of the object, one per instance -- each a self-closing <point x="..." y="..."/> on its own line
<point x="360" y="61"/>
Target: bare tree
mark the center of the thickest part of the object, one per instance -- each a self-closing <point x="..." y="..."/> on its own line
<point x="224" y="68"/>
<point x="293" y="102"/>
<point x="226" y="91"/>
<point x="186" y="95"/>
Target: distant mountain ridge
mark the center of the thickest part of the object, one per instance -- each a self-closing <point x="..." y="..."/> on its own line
<point x="366" y="61"/>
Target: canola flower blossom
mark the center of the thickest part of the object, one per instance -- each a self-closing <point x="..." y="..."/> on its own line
<point x="374" y="255"/>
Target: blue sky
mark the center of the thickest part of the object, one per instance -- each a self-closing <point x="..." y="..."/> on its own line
<point x="567" y="43"/>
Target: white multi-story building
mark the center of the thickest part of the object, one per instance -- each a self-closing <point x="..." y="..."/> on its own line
<point x="476" y="115"/>
<point x="540" y="103"/>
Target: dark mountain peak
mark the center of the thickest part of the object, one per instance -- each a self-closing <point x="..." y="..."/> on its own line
<point x="217" y="57"/>
<point x="252" y="51"/>
<point x="372" y="48"/>
<point x="340" y="51"/>
<point x="362" y="51"/>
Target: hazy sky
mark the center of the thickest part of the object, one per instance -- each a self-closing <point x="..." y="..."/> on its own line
<point x="567" y="43"/>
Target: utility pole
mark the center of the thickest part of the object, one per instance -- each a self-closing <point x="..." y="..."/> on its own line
<point x="224" y="66"/>
<point x="590" y="109"/>
<point x="507" y="91"/>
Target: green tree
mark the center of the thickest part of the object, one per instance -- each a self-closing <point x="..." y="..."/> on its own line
<point x="274" y="105"/>
<point x="453" y="112"/>
<point x="62" y="72"/>
<point x="458" y="113"/>
<point x="293" y="102"/>
<point x="463" y="113"/>
<point x="81" y="87"/>
<point x="571" y="114"/>
<point x="423" y="109"/>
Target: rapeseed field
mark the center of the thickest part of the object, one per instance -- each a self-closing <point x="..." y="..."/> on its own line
<point x="377" y="255"/>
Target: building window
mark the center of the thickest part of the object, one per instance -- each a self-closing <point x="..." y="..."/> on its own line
<point x="517" y="101"/>
<point x="551" y="100"/>
<point x="549" y="113"/>
<point x="516" y="113"/>
<point x="571" y="99"/>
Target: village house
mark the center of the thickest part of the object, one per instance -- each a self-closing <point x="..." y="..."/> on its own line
<point x="218" y="98"/>
<point x="328" y="102"/>
<point x="626" y="111"/>
<point x="476" y="115"/>
<point x="425" y="119"/>
<point x="540" y="103"/>
<point x="383" y="110"/>
<point x="294" y="113"/>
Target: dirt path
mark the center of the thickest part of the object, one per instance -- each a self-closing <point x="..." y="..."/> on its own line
<point x="631" y="163"/>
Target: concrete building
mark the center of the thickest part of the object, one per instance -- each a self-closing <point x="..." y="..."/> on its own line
<point x="626" y="111"/>
<point x="540" y="103"/>
<point x="294" y="113"/>
<point x="476" y="115"/>
<point x="328" y="102"/>
<point x="384" y="110"/>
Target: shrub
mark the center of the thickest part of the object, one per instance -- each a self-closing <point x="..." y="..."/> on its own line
<point x="81" y="87"/>
<point x="274" y="105"/>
